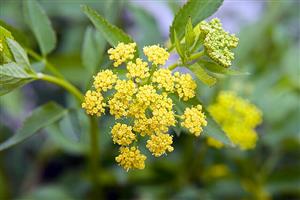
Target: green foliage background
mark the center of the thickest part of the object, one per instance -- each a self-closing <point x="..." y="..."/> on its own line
<point x="52" y="165"/>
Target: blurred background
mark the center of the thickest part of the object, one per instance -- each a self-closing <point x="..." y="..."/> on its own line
<point x="52" y="164"/>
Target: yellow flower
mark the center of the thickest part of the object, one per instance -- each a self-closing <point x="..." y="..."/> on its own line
<point x="146" y="95"/>
<point x="217" y="42"/>
<point x="214" y="143"/>
<point x="93" y="103"/>
<point x="104" y="80"/>
<point x="164" y="79"/>
<point x="124" y="87"/>
<point x="131" y="158"/>
<point x="185" y="86"/>
<point x="156" y="54"/>
<point x="122" y="134"/>
<point x="238" y="118"/>
<point x="160" y="143"/>
<point x="138" y="70"/>
<point x="194" y="119"/>
<point x="118" y="105"/>
<point x="121" y="53"/>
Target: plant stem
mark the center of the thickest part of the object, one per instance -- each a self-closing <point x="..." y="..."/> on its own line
<point x="63" y="83"/>
<point x="94" y="156"/>
<point x="173" y="66"/>
<point x="196" y="55"/>
<point x="48" y="65"/>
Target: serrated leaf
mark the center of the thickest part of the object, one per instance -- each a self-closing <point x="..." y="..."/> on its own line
<point x="12" y="76"/>
<point x="215" y="68"/>
<point x="202" y="75"/>
<point x="92" y="49"/>
<point x="198" y="10"/>
<point x="112" y="34"/>
<point x="39" y="118"/>
<point x="19" y="54"/>
<point x="189" y="34"/>
<point x="40" y="25"/>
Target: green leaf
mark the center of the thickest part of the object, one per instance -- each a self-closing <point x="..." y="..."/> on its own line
<point x="214" y="130"/>
<point x="179" y="48"/>
<point x="189" y="34"/>
<point x="19" y="54"/>
<point x="112" y="34"/>
<point x="17" y="34"/>
<point x="198" y="10"/>
<point x="202" y="74"/>
<point x="92" y="49"/>
<point x="40" y="25"/>
<point x="12" y="76"/>
<point x="5" y="55"/>
<point x="215" y="68"/>
<point x="39" y="118"/>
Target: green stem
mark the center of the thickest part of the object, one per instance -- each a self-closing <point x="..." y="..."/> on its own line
<point x="48" y="65"/>
<point x="94" y="156"/>
<point x="196" y="55"/>
<point x="63" y="83"/>
<point x="173" y="66"/>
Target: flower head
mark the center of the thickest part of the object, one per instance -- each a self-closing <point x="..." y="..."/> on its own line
<point x="158" y="144"/>
<point x="156" y="54"/>
<point x="121" y="53"/>
<point x="93" y="103"/>
<point x="142" y="101"/>
<point x="237" y="117"/>
<point x="104" y="80"/>
<point x="122" y="134"/>
<point x="185" y="86"/>
<point x="217" y="42"/>
<point x="214" y="143"/>
<point x="194" y="119"/>
<point x="131" y="158"/>
<point x="138" y="70"/>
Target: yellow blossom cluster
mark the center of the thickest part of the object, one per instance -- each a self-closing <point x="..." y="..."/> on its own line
<point x="238" y="119"/>
<point x="131" y="158"/>
<point x="122" y="134"/>
<point x="142" y="100"/>
<point x="105" y="80"/>
<point x="156" y="54"/>
<point x="93" y="103"/>
<point x="122" y="53"/>
<point x="194" y="120"/>
<point x="217" y="42"/>
<point x="138" y="70"/>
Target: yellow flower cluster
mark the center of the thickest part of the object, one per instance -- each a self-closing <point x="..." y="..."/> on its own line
<point x="214" y="143"/>
<point x="138" y="70"/>
<point x="217" y="42"/>
<point x="159" y="144"/>
<point x="238" y="119"/>
<point x="194" y="120"/>
<point x="156" y="54"/>
<point x="122" y="53"/>
<point x="131" y="158"/>
<point x="104" y="80"/>
<point x="164" y="78"/>
<point x="184" y="86"/>
<point x="93" y="103"/>
<point x="143" y="100"/>
<point x="122" y="134"/>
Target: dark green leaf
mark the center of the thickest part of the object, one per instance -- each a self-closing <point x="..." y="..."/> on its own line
<point x="112" y="34"/>
<point x="198" y="10"/>
<point x="12" y="76"/>
<point x="202" y="74"/>
<point x="39" y="118"/>
<point x="92" y="50"/>
<point x="40" y="25"/>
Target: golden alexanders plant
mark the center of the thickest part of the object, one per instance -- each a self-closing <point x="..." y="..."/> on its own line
<point x="152" y="98"/>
